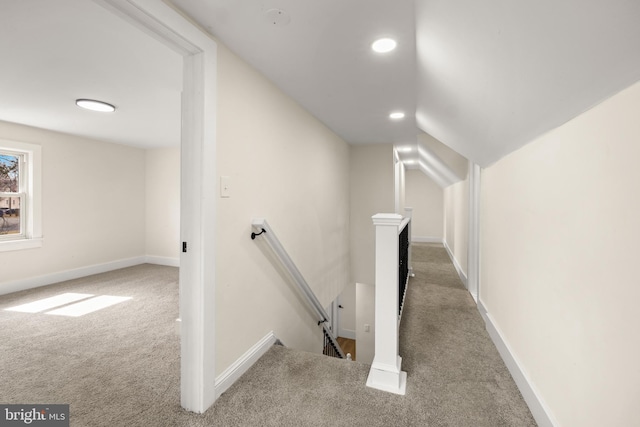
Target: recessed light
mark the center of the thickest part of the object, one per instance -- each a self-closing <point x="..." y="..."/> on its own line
<point x="396" y="115"/>
<point x="93" y="105"/>
<point x="384" y="45"/>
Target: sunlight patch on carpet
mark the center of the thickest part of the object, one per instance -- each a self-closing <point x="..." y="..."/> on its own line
<point x="88" y="306"/>
<point x="49" y="303"/>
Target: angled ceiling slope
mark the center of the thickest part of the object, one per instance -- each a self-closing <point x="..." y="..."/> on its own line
<point x="494" y="75"/>
<point x="443" y="165"/>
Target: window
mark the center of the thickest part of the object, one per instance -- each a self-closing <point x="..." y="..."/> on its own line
<point x="12" y="195"/>
<point x="20" y="209"/>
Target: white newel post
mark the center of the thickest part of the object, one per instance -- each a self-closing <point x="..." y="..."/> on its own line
<point x="386" y="373"/>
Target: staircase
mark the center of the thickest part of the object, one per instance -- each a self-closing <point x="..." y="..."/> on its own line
<point x="456" y="375"/>
<point x="330" y="345"/>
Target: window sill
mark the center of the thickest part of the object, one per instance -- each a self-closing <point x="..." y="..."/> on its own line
<point x="17" y="245"/>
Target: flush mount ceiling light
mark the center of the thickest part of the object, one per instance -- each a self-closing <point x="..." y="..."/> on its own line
<point x="93" y="105"/>
<point x="396" y="115"/>
<point x="384" y="45"/>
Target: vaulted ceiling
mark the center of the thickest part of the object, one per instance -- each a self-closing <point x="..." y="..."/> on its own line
<point x="484" y="78"/>
<point x="494" y="75"/>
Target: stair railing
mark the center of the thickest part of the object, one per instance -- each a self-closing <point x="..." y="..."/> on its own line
<point x="261" y="228"/>
<point x="392" y="271"/>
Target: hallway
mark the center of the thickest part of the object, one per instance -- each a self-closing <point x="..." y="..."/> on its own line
<point x="455" y="374"/>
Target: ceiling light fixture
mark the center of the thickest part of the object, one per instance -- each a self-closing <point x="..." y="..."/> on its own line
<point x="396" y="115"/>
<point x="93" y="105"/>
<point x="384" y="45"/>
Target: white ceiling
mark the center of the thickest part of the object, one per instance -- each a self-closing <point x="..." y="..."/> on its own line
<point x="490" y="76"/>
<point x="495" y="74"/>
<point x="323" y="59"/>
<point x="54" y="52"/>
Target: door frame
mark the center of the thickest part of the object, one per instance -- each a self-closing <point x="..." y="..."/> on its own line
<point x="197" y="188"/>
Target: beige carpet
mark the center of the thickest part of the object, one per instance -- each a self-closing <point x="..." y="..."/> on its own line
<point x="455" y="374"/>
<point x="116" y="367"/>
<point x="120" y="366"/>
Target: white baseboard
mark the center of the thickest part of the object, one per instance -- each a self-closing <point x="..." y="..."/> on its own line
<point x="456" y="264"/>
<point x="76" y="273"/>
<point x="347" y="333"/>
<point x="61" y="276"/>
<point x="538" y="408"/>
<point x="419" y="239"/>
<point x="159" y="260"/>
<point x="240" y="366"/>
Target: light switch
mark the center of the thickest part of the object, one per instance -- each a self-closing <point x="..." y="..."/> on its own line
<point x="366" y="327"/>
<point x="225" y="186"/>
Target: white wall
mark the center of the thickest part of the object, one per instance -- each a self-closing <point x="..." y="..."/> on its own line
<point x="162" y="220"/>
<point x="93" y="204"/>
<point x="427" y="200"/>
<point x="287" y="167"/>
<point x="456" y="223"/>
<point x="377" y="183"/>
<point x="373" y="190"/>
<point x="347" y="326"/>
<point x="399" y="184"/>
<point x="559" y="238"/>
<point x="365" y="315"/>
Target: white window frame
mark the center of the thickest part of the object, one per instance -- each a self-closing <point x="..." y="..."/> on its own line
<point x="30" y="193"/>
<point x="20" y="193"/>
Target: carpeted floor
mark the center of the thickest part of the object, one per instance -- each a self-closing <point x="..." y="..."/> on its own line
<point x="116" y="367"/>
<point x="120" y="366"/>
<point x="455" y="374"/>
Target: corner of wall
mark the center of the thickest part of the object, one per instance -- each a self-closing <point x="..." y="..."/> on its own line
<point x="61" y="276"/>
<point x="230" y="375"/>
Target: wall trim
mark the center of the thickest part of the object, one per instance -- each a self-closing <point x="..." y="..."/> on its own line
<point x="347" y="333"/>
<point x="540" y="411"/>
<point x="244" y="362"/>
<point x="77" y="273"/>
<point x="160" y="260"/>
<point x="473" y="249"/>
<point x="198" y="180"/>
<point x="61" y="276"/>
<point x="456" y="264"/>
<point x="421" y="239"/>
